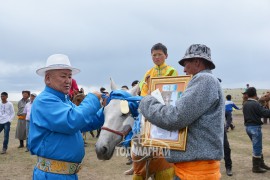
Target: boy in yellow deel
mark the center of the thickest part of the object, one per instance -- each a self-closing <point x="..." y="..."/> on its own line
<point x="159" y="55"/>
<point x="158" y="166"/>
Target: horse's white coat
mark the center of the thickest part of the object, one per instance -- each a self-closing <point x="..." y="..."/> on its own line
<point x="115" y="120"/>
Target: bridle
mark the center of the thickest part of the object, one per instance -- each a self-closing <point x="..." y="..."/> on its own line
<point x="122" y="133"/>
<point x="133" y="102"/>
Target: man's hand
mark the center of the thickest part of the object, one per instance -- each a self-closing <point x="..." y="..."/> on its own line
<point x="98" y="94"/>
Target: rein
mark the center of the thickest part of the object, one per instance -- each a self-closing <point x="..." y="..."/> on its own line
<point x="123" y="133"/>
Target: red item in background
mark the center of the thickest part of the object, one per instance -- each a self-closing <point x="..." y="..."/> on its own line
<point x="74" y="87"/>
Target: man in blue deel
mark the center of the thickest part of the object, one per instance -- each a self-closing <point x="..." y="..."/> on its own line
<point x="55" y="124"/>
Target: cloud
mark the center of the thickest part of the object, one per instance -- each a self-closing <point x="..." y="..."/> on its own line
<point x="113" y="38"/>
<point x="10" y="69"/>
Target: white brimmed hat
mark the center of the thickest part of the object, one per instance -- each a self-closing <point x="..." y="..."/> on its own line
<point x="34" y="94"/>
<point x="198" y="51"/>
<point x="57" y="61"/>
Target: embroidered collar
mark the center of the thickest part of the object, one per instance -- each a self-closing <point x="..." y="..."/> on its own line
<point x="162" y="66"/>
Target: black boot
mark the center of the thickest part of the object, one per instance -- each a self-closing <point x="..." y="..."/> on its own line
<point x="256" y="165"/>
<point x="232" y="126"/>
<point x="229" y="171"/>
<point x="21" y="144"/>
<point x="263" y="165"/>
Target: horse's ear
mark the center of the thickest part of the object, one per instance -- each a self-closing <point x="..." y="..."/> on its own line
<point x="135" y="90"/>
<point x="113" y="85"/>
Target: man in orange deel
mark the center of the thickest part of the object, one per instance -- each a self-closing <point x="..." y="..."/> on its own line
<point x="201" y="109"/>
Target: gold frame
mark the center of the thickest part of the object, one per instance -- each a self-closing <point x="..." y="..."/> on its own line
<point x="180" y="143"/>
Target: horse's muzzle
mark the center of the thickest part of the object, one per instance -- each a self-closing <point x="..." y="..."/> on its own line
<point x="103" y="152"/>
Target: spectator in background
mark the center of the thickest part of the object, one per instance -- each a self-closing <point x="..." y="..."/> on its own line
<point x="73" y="90"/>
<point x="229" y="105"/>
<point x="253" y="112"/>
<point x="124" y="87"/>
<point x="103" y="90"/>
<point x="21" y="125"/>
<point x="27" y="111"/>
<point x="134" y="83"/>
<point x="227" y="152"/>
<point x="104" y="94"/>
<point x="244" y="97"/>
<point x="6" y="116"/>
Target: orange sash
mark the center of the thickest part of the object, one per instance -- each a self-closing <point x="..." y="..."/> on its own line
<point x="198" y="170"/>
<point x="21" y="117"/>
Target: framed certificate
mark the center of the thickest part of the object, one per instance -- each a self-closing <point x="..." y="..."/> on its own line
<point x="167" y="90"/>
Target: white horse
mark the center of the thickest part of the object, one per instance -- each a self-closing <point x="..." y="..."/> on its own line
<point x="116" y="126"/>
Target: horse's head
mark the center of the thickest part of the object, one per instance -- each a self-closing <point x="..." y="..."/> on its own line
<point x="118" y="120"/>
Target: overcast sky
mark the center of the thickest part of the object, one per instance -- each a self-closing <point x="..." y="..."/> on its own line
<point x="113" y="38"/>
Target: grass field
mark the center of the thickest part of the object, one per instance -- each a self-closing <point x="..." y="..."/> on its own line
<point x="18" y="164"/>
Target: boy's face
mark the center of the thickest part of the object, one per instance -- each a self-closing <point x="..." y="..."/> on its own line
<point x="158" y="57"/>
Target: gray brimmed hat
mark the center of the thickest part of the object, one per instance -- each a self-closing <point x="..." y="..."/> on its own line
<point x="57" y="61"/>
<point x="198" y="51"/>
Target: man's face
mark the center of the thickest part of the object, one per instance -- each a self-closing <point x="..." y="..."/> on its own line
<point x="25" y="95"/>
<point x="158" y="57"/>
<point x="32" y="98"/>
<point x="59" y="80"/>
<point x="3" y="98"/>
<point x="245" y="97"/>
<point x="190" y="67"/>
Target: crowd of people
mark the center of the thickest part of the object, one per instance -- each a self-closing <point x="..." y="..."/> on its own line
<point x="23" y="115"/>
<point x="56" y="123"/>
